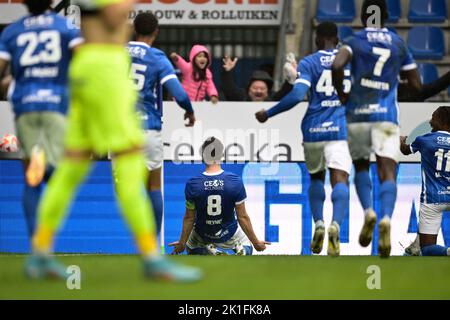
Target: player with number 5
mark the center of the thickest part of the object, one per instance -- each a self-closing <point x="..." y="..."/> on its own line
<point x="150" y="71"/>
<point x="213" y="200"/>
<point x="377" y="56"/>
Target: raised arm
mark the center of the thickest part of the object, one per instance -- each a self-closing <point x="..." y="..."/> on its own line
<point x="182" y="64"/>
<point x="114" y="15"/>
<point x="246" y="225"/>
<point x="404" y="147"/>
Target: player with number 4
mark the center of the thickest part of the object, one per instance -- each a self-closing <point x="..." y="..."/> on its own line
<point x="377" y="56"/>
<point x="324" y="135"/>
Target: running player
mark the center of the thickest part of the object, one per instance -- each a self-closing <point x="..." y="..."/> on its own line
<point x="324" y="134"/>
<point x="378" y="56"/>
<point x="434" y="148"/>
<point x="213" y="200"/>
<point x="150" y="70"/>
<point x="102" y="118"/>
<point x="38" y="47"/>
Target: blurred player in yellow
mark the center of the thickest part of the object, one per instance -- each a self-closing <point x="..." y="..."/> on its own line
<point x="102" y="118"/>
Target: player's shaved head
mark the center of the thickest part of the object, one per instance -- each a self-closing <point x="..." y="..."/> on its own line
<point x="327" y="31"/>
<point x="212" y="151"/>
<point x="440" y="121"/>
<point x="366" y="12"/>
<point x="145" y="24"/>
<point x="36" y="7"/>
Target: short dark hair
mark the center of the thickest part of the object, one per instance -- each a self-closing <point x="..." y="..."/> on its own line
<point x="327" y="29"/>
<point x="145" y="24"/>
<point x="380" y="4"/>
<point x="36" y="7"/>
<point x="212" y="151"/>
<point x="443" y="116"/>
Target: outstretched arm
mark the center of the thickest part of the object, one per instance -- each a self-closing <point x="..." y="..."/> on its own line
<point x="177" y="91"/>
<point x="288" y="102"/>
<point x="246" y="225"/>
<point x="428" y="90"/>
<point x="343" y="57"/>
<point x="188" y="225"/>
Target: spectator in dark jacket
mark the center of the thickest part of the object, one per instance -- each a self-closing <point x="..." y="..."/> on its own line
<point x="259" y="87"/>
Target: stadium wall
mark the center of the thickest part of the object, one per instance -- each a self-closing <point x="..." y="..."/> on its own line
<point x="277" y="192"/>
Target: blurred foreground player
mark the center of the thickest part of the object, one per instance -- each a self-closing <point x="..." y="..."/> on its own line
<point x="38" y="47"/>
<point x="377" y="56"/>
<point x="434" y="148"/>
<point x="150" y="69"/>
<point x="102" y="118"/>
<point x="213" y="200"/>
<point x="324" y="134"/>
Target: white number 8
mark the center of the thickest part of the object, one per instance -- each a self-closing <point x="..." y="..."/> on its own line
<point x="214" y="205"/>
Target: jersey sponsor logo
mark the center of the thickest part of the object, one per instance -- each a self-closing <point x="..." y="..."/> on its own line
<point x="42" y="96"/>
<point x="327" y="61"/>
<point x="443" y="141"/>
<point x="38" y="21"/>
<point x="216" y="184"/>
<point x="325" y="127"/>
<point x="330" y="103"/>
<point x="218" y="235"/>
<point x="445" y="192"/>
<point x="214" y="222"/>
<point x="137" y="52"/>
<point x="382" y="37"/>
<point x="372" y="84"/>
<point x="36" y="72"/>
<point x="373" y="108"/>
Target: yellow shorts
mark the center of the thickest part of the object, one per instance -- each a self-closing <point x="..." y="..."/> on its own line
<point x="102" y="114"/>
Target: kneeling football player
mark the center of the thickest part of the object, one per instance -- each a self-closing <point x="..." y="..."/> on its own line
<point x="213" y="201"/>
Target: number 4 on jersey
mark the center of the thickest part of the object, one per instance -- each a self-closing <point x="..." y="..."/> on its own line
<point x="325" y="83"/>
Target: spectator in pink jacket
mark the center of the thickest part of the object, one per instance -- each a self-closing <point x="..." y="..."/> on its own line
<point x="197" y="78"/>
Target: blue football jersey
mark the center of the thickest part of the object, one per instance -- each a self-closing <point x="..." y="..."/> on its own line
<point x="214" y="198"/>
<point x="150" y="69"/>
<point x="434" y="149"/>
<point x="39" y="50"/>
<point x="378" y="57"/>
<point x="325" y="118"/>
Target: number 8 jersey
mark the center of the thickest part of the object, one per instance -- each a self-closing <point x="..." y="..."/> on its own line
<point x="214" y="197"/>
<point x="39" y="50"/>
<point x="434" y="149"/>
<point x="378" y="57"/>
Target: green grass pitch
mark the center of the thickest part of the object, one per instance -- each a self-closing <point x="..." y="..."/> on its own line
<point x="255" y="277"/>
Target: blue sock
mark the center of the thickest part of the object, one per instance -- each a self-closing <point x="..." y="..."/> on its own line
<point x="157" y="203"/>
<point x="340" y="198"/>
<point x="316" y="198"/>
<point x="434" y="250"/>
<point x="30" y="201"/>
<point x="388" y="195"/>
<point x="248" y="250"/>
<point x="364" y="188"/>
